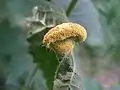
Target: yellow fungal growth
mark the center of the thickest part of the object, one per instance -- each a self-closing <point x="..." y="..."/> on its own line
<point x="63" y="47"/>
<point x="62" y="37"/>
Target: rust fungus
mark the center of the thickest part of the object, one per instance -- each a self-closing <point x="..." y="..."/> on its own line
<point x="61" y="38"/>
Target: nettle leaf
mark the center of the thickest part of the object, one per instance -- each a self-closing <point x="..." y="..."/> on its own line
<point x="47" y="62"/>
<point x="44" y="16"/>
<point x="16" y="65"/>
<point x="67" y="77"/>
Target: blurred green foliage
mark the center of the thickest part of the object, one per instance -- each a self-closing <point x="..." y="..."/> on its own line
<point x="27" y="65"/>
<point x="109" y="16"/>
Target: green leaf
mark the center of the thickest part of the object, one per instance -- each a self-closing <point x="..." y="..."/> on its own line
<point x="47" y="61"/>
<point x="45" y="16"/>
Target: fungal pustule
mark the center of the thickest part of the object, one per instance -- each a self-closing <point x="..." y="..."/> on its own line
<point x="63" y="37"/>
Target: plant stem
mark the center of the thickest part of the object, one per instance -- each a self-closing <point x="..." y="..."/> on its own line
<point x="71" y="7"/>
